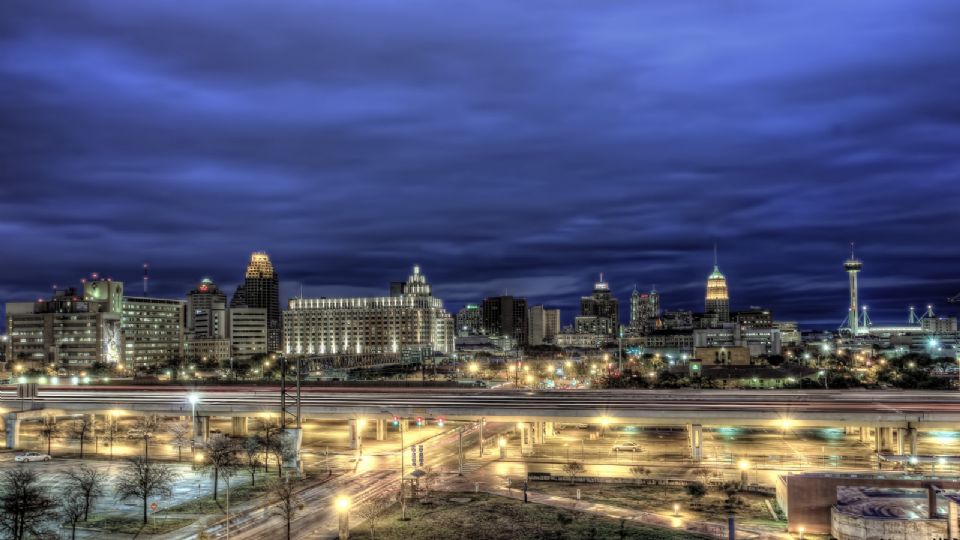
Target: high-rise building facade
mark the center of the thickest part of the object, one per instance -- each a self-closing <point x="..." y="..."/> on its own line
<point x="544" y="325"/>
<point x="204" y="298"/>
<point x="600" y="311"/>
<point x="248" y="332"/>
<point x="411" y="318"/>
<point x="506" y="316"/>
<point x="261" y="289"/>
<point x="644" y="310"/>
<point x="469" y="321"/>
<point x="153" y="331"/>
<point x="66" y="330"/>
<point x="717" y="302"/>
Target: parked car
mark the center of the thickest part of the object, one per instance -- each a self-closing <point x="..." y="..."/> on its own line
<point x="626" y="447"/>
<point x="31" y="456"/>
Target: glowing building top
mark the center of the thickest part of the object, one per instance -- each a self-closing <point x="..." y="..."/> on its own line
<point x="260" y="266"/>
<point x="718" y="296"/>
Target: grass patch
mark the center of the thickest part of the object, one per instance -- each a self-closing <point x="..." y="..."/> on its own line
<point x="660" y="500"/>
<point x="206" y="504"/>
<point x="133" y="525"/>
<point x="490" y="517"/>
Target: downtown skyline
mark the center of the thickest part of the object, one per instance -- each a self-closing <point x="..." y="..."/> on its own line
<point x="500" y="147"/>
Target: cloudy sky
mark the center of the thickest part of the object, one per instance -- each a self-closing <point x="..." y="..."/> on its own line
<point x="503" y="145"/>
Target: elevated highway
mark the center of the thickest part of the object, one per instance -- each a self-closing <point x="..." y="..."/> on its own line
<point x="917" y="409"/>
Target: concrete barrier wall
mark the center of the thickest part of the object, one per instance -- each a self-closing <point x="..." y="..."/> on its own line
<point x="854" y="527"/>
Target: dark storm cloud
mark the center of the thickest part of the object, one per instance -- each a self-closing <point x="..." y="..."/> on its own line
<point x="518" y="146"/>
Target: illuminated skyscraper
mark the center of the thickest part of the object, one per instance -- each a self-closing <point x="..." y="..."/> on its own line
<point x="203" y="299"/>
<point x="599" y="312"/>
<point x="261" y="289"/>
<point x="718" y="297"/>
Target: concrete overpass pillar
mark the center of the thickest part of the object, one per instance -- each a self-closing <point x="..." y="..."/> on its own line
<point x="538" y="430"/>
<point x="550" y="429"/>
<point x="526" y="442"/>
<point x="354" y="434"/>
<point x="696" y="442"/>
<point x="239" y="426"/>
<point x="381" y="429"/>
<point x="912" y="438"/>
<point x="12" y="423"/>
<point x="900" y="440"/>
<point x="888" y="438"/>
<point x="864" y="433"/>
<point x="878" y="441"/>
<point x="202" y="429"/>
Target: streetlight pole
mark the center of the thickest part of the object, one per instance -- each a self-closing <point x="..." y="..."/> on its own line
<point x="403" y="502"/>
<point x="343" y="509"/>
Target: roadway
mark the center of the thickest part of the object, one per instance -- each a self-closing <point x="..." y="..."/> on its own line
<point x="652" y="407"/>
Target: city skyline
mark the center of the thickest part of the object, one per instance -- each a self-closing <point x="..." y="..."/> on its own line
<point x="569" y="304"/>
<point x="498" y="149"/>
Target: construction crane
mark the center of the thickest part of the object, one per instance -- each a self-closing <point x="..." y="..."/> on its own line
<point x="954" y="299"/>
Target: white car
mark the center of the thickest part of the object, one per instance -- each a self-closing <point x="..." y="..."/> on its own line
<point x="626" y="447"/>
<point x="31" y="456"/>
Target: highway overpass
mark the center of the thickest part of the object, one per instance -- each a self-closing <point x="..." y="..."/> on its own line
<point x="884" y="411"/>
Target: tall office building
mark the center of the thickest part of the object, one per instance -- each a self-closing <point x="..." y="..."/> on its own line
<point x="411" y="318"/>
<point x="66" y="330"/>
<point x="506" y="316"/>
<point x="544" y="325"/>
<point x="644" y="309"/>
<point x="261" y="289"/>
<point x="717" y="302"/>
<point x="248" y="332"/>
<point x="599" y="312"/>
<point x="469" y="321"/>
<point x="203" y="298"/>
<point x="152" y="331"/>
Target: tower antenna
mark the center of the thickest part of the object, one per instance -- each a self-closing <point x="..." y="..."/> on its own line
<point x="716" y="259"/>
<point x="146" y="277"/>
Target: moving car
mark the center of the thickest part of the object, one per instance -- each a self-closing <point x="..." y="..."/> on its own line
<point x="31" y="456"/>
<point x="626" y="447"/>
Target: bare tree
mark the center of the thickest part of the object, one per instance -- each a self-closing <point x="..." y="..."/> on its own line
<point x="87" y="484"/>
<point x="72" y="511"/>
<point x="252" y="446"/>
<point x="286" y="502"/>
<point x="220" y="456"/>
<point x="181" y="435"/>
<point x="111" y="427"/>
<point x="25" y="508"/>
<point x="373" y="510"/>
<point x="273" y="444"/>
<point x="701" y="473"/>
<point x="49" y="429"/>
<point x="81" y="428"/>
<point x="639" y="471"/>
<point x="146" y="428"/>
<point x="141" y="479"/>
<point x="573" y="469"/>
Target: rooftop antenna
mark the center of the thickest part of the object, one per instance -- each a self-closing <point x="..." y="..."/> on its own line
<point x="716" y="260"/>
<point x="913" y="319"/>
<point x="146" y="277"/>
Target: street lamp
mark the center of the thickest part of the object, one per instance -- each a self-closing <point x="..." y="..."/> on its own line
<point x="676" y="510"/>
<point x="502" y="443"/>
<point x="744" y="466"/>
<point x="343" y="509"/>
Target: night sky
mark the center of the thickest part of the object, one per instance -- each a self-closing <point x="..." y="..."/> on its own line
<point x="503" y="145"/>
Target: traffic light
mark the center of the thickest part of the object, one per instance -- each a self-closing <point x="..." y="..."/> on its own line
<point x="419" y="421"/>
<point x="396" y="421"/>
<point x="440" y="422"/>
